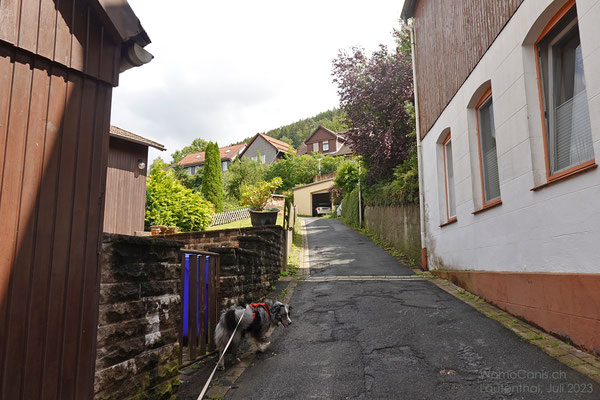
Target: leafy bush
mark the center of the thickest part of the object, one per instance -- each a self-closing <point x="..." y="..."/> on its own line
<point x="404" y="189"/>
<point x="212" y="180"/>
<point x="170" y="203"/>
<point x="241" y="171"/>
<point x="299" y="170"/>
<point x="350" y="208"/>
<point x="257" y="196"/>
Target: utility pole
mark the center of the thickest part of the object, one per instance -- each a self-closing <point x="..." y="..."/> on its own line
<point x="359" y="197"/>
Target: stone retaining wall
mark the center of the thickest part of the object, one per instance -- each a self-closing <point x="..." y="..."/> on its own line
<point x="137" y="344"/>
<point x="251" y="259"/>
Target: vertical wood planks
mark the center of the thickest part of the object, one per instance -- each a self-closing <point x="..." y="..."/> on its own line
<point x="181" y="306"/>
<point x="450" y="39"/>
<point x="38" y="315"/>
<point x="203" y="267"/>
<point x="65" y="31"/>
<point x="212" y="303"/>
<point x="193" y="305"/>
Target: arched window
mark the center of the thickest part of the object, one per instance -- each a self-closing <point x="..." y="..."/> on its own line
<point x="563" y="98"/>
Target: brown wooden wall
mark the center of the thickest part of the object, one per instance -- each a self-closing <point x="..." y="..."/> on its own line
<point x="65" y="31"/>
<point x="125" y="188"/>
<point x="54" y="124"/>
<point x="450" y="39"/>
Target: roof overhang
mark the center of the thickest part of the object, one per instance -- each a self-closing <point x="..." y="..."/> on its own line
<point x="312" y="184"/>
<point x="125" y="27"/>
<point x="408" y="10"/>
<point x="133" y="138"/>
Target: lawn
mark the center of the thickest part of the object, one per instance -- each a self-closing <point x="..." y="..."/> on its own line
<point x="242" y="223"/>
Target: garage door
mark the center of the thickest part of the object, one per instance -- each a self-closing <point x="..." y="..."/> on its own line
<point x="320" y="199"/>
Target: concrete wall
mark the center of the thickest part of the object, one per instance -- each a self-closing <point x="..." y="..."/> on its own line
<point x="265" y="148"/>
<point x="137" y="346"/>
<point x="303" y="195"/>
<point x="399" y="226"/>
<point x="554" y="229"/>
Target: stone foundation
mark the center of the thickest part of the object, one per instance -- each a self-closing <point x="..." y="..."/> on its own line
<point x="137" y="344"/>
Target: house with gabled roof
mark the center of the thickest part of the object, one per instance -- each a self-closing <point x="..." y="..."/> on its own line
<point x="267" y="148"/>
<point x="193" y="162"/>
<point x="326" y="142"/>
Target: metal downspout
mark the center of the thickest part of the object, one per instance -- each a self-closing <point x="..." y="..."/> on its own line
<point x="419" y="157"/>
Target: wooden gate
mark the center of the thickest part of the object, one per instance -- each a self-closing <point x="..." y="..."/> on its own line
<point x="199" y="304"/>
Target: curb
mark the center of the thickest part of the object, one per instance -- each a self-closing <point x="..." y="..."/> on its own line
<point x="572" y="357"/>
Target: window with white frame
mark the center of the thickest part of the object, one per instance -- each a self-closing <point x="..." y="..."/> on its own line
<point x="263" y="158"/>
<point x="449" y="180"/>
<point x="326" y="145"/>
<point x="192" y="170"/>
<point x="566" y="120"/>
<point x="488" y="157"/>
<point x="316" y="147"/>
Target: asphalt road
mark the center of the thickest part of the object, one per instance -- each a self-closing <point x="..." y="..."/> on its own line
<point x="394" y="339"/>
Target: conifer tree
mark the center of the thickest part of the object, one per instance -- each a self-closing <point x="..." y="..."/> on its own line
<point x="212" y="180"/>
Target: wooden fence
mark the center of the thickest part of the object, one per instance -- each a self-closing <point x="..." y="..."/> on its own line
<point x="230" y="216"/>
<point x="199" y="304"/>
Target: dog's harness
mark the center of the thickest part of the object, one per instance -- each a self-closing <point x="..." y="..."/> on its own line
<point x="255" y="306"/>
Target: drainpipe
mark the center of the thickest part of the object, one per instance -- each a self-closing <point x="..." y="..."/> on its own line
<point x="419" y="156"/>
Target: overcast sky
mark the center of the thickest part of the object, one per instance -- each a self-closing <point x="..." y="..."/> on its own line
<point x="225" y="70"/>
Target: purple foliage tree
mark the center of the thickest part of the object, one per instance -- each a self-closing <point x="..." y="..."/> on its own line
<point x="373" y="91"/>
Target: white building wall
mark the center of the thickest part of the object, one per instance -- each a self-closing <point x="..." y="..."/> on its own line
<point x="553" y="229"/>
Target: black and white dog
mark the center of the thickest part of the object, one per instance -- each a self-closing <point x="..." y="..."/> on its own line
<point x="259" y="320"/>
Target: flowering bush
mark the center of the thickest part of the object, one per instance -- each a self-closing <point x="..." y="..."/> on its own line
<point x="257" y="196"/>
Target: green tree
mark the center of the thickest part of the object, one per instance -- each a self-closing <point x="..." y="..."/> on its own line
<point x="198" y="145"/>
<point x="170" y="203"/>
<point x="212" y="179"/>
<point x="242" y="171"/>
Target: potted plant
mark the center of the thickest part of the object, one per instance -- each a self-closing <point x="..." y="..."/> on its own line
<point x="172" y="230"/>
<point x="156" y="228"/>
<point x="256" y="197"/>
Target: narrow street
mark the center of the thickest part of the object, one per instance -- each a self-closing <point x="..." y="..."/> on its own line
<point x="400" y="337"/>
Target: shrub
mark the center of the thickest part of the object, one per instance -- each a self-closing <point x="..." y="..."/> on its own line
<point x="170" y="203"/>
<point x="257" y="196"/>
<point x="350" y="208"/>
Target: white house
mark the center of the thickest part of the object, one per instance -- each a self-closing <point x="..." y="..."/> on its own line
<point x="508" y="109"/>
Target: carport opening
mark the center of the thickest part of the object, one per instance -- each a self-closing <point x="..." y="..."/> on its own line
<point x="320" y="199"/>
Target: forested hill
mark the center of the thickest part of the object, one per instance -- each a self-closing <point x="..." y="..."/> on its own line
<point x="296" y="132"/>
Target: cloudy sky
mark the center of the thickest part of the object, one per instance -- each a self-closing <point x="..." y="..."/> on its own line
<point x="225" y="70"/>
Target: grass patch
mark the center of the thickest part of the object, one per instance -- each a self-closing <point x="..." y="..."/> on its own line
<point x="282" y="295"/>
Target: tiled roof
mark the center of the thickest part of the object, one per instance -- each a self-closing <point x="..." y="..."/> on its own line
<point x="132" y="137"/>
<point x="278" y="144"/>
<point x="227" y="153"/>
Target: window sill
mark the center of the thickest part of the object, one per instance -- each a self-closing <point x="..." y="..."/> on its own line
<point x="487" y="206"/>
<point x="450" y="221"/>
<point x="575" y="171"/>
